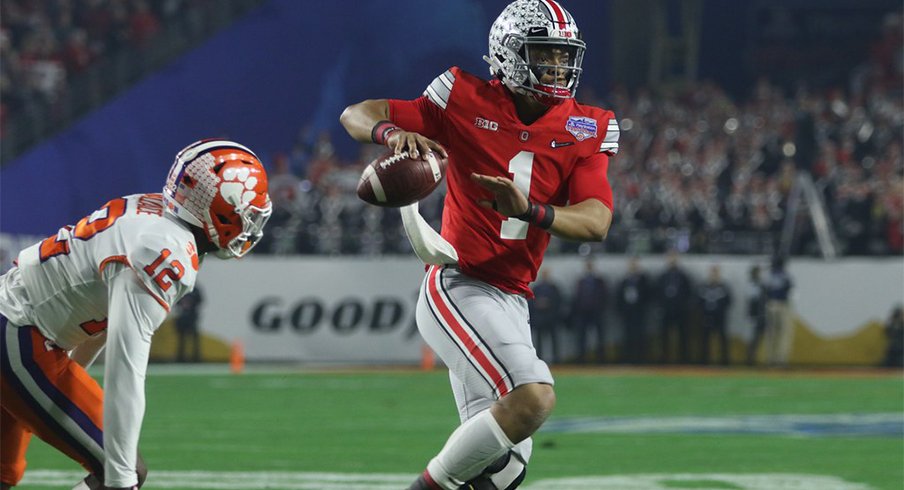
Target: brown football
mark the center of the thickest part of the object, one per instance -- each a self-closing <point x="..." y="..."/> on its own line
<point x="395" y="180"/>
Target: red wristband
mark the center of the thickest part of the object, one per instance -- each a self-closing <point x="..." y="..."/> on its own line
<point x="381" y="131"/>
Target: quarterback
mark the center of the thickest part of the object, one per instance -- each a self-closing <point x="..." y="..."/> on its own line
<point x="109" y="281"/>
<point x="525" y="161"/>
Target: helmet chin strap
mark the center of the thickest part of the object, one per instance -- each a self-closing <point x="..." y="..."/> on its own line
<point x="224" y="254"/>
<point x="213" y="238"/>
<point x="545" y="98"/>
<point x="202" y="240"/>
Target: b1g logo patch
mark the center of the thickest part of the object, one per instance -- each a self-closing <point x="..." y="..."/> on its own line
<point x="486" y="124"/>
<point x="581" y="127"/>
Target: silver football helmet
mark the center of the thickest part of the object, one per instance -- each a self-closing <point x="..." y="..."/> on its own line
<point x="522" y="30"/>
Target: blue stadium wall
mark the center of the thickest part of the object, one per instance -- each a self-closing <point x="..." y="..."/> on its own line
<point x="285" y="65"/>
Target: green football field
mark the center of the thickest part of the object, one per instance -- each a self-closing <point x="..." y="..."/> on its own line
<point x="612" y="429"/>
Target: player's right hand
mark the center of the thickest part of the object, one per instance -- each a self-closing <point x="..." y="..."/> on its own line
<point x="416" y="145"/>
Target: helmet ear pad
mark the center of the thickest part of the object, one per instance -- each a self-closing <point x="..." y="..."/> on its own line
<point x="219" y="228"/>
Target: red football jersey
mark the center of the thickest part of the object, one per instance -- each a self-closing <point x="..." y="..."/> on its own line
<point x="560" y="158"/>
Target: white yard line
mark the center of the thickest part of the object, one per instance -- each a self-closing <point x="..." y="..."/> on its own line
<point x="261" y="480"/>
<point x="889" y="424"/>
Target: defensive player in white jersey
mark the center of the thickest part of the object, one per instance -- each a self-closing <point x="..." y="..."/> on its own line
<point x="109" y="281"/>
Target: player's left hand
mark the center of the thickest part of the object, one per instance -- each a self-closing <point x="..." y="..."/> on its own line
<point x="508" y="199"/>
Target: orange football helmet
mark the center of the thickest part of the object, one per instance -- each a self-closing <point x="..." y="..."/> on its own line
<point x="221" y="187"/>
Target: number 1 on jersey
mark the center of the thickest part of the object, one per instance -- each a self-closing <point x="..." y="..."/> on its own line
<point x="521" y="167"/>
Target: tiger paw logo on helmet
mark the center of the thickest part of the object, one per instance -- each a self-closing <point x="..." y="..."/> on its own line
<point x="221" y="187"/>
<point x="238" y="186"/>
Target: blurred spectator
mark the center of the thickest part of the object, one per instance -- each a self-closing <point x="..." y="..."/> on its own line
<point x="588" y="311"/>
<point x="323" y="160"/>
<point x="633" y="301"/>
<point x="546" y="317"/>
<point x="41" y="63"/>
<point x="288" y="197"/>
<point x="779" y="322"/>
<point x="756" y="312"/>
<point x="188" y="313"/>
<point x="285" y="186"/>
<point x="143" y="24"/>
<point x="76" y="53"/>
<point x="715" y="299"/>
<point x="673" y="292"/>
<point x="894" y="333"/>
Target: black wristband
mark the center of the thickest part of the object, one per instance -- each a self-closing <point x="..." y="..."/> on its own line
<point x="381" y="131"/>
<point x="541" y="215"/>
<point x="524" y="216"/>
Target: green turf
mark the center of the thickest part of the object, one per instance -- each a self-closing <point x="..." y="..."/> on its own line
<point x="394" y="422"/>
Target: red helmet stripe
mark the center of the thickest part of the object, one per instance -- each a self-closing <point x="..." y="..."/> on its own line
<point x="556" y="9"/>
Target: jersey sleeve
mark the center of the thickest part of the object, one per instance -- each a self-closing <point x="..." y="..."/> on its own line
<point x="440" y="89"/>
<point x="133" y="316"/>
<point x="426" y="114"/>
<point x="166" y="267"/>
<point x="589" y="180"/>
<point x="609" y="142"/>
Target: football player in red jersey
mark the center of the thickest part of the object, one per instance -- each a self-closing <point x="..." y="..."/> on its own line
<point x="525" y="161"/>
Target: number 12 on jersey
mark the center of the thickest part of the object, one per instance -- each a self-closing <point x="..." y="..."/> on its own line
<point x="173" y="273"/>
<point x="521" y="167"/>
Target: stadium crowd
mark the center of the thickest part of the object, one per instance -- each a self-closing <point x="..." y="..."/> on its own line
<point x="43" y="43"/>
<point x="46" y="45"/>
<point x="697" y="171"/>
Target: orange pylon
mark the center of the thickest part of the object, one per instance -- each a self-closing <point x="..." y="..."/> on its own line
<point x="427" y="358"/>
<point x="237" y="357"/>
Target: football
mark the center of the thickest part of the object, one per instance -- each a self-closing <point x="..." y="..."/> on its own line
<point x="396" y="180"/>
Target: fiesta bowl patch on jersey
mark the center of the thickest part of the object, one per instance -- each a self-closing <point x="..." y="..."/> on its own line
<point x="396" y="180"/>
<point x="581" y="127"/>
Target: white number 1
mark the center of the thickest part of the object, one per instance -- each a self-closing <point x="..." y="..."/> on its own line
<point x="521" y="166"/>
